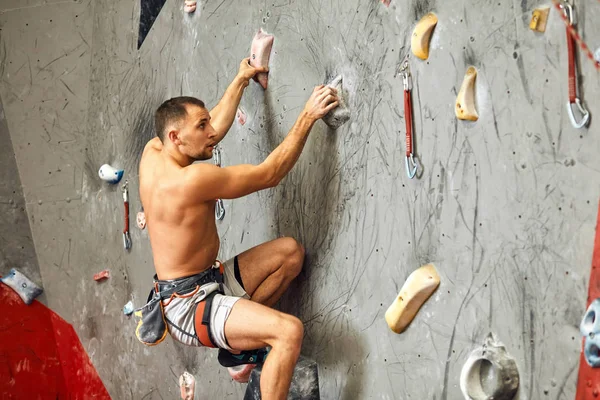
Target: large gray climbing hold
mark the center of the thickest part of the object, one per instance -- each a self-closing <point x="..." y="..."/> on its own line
<point x="305" y="382"/>
<point x="24" y="287"/>
<point x="341" y="114"/>
<point x="590" y="330"/>
<point x="490" y="373"/>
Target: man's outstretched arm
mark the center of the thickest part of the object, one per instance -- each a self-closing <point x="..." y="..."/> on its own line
<point x="211" y="182"/>
<point x="223" y="114"/>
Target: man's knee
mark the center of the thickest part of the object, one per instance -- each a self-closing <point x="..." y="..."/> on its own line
<point x="290" y="332"/>
<point x="294" y="255"/>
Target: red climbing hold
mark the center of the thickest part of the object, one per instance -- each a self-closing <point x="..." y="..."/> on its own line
<point x="102" y="275"/>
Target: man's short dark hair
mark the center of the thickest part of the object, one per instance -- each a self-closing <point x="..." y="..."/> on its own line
<point x="173" y="111"/>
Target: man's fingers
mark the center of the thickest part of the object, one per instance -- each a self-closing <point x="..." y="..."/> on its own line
<point x="331" y="106"/>
<point x="328" y="99"/>
<point x="319" y="89"/>
<point x="328" y="91"/>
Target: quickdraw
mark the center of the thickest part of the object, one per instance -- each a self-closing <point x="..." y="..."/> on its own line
<point x="219" y="207"/>
<point x="126" y="236"/>
<point x="568" y="15"/>
<point x="410" y="162"/>
<point x="575" y="35"/>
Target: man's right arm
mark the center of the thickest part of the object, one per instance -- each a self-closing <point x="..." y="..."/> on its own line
<point x="211" y="182"/>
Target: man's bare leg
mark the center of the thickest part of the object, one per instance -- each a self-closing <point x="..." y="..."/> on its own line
<point x="251" y="326"/>
<point x="268" y="269"/>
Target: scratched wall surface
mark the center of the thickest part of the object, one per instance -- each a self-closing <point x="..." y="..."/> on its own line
<point x="505" y="207"/>
<point x="16" y="244"/>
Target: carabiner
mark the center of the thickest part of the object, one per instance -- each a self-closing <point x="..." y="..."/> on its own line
<point x="405" y="72"/>
<point x="126" y="240"/>
<point x="217" y="156"/>
<point x="219" y="207"/>
<point x="568" y="10"/>
<point x="585" y="114"/>
<point x="126" y="236"/>
<point x="411" y="172"/>
<point x="125" y="190"/>
<point x="219" y="210"/>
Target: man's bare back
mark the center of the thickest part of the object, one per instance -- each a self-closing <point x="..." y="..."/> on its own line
<point x="183" y="232"/>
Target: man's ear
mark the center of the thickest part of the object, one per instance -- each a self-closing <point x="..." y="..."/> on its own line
<point x="173" y="136"/>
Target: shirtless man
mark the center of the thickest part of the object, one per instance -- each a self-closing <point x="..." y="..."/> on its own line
<point x="179" y="202"/>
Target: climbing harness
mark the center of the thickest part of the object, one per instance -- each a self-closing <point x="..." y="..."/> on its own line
<point x="411" y="164"/>
<point x="569" y="17"/>
<point x="126" y="236"/>
<point x="152" y="327"/>
<point x="228" y="359"/>
<point x="219" y="207"/>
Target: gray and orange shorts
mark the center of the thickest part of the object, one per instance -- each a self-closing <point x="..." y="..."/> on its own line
<point x="180" y="310"/>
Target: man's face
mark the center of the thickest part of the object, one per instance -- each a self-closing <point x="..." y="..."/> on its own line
<point x="196" y="134"/>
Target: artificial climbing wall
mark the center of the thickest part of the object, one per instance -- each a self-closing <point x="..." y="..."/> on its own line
<point x="505" y="207"/>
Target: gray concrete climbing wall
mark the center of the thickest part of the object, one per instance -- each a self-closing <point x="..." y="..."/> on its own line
<point x="16" y="244"/>
<point x="505" y="207"/>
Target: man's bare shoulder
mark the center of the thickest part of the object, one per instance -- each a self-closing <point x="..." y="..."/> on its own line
<point x="198" y="172"/>
<point x="153" y="145"/>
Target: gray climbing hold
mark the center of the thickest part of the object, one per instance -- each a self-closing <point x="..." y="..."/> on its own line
<point x="590" y="330"/>
<point x="490" y="373"/>
<point x="341" y="114"/>
<point x="24" y="287"/>
<point x="305" y="382"/>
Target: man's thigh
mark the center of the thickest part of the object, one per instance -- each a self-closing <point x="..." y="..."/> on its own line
<point x="251" y="325"/>
<point x="257" y="263"/>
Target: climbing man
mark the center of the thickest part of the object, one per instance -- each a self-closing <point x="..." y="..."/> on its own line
<point x="206" y="302"/>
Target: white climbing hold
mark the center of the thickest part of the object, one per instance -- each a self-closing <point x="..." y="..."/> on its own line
<point x="128" y="308"/>
<point x="189" y="6"/>
<point x="110" y="174"/>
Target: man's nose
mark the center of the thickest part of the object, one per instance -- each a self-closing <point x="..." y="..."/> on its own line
<point x="212" y="133"/>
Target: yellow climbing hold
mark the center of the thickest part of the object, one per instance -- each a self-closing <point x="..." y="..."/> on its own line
<point x="422" y="35"/>
<point x="465" y="101"/>
<point x="419" y="286"/>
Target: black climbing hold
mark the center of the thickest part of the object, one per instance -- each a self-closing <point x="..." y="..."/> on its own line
<point x="149" y="10"/>
<point x="304" y="386"/>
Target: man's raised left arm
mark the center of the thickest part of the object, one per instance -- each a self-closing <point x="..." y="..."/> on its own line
<point x="223" y="114"/>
